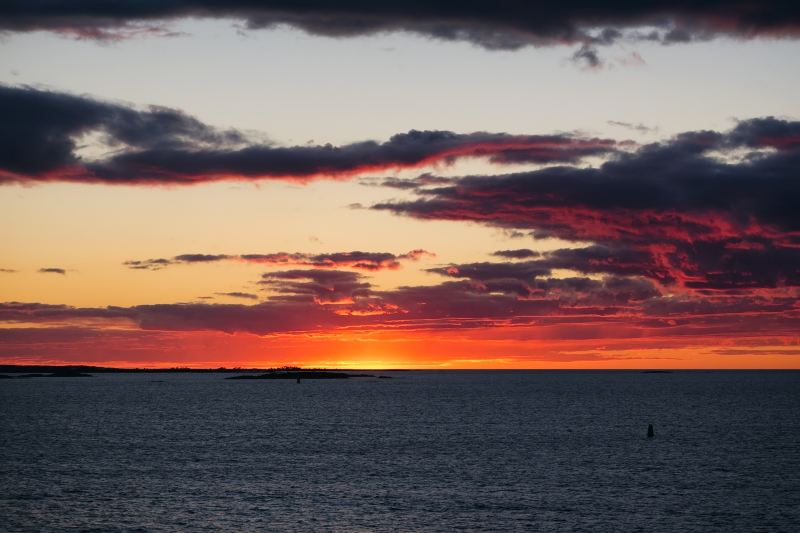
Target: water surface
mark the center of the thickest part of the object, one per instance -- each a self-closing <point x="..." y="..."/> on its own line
<point x="424" y="451"/>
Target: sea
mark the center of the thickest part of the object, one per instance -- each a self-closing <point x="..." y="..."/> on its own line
<point x="423" y="451"/>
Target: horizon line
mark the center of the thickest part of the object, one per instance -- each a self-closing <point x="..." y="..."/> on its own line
<point x="177" y="369"/>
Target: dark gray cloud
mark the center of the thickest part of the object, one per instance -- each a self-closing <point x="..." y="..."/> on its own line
<point x="506" y="25"/>
<point x="307" y="301"/>
<point x="616" y="260"/>
<point x="533" y="279"/>
<point x="40" y="131"/>
<point x="423" y="180"/>
<point x="488" y="271"/>
<point x="199" y="258"/>
<point x="148" y="264"/>
<point x="640" y="128"/>
<point x="323" y="286"/>
<point x="707" y="210"/>
<point x="703" y="266"/>
<point x="52" y="270"/>
<point x="355" y="259"/>
<point x="521" y="253"/>
<point x="680" y="176"/>
<point x="237" y="294"/>
<point x="588" y="55"/>
<point x="39" y="312"/>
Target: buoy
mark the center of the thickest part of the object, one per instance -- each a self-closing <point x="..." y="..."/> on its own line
<point x="650" y="432"/>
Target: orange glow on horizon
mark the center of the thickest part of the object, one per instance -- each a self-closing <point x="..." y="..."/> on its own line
<point x="450" y="350"/>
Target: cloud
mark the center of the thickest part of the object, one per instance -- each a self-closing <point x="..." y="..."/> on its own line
<point x="236" y="294"/>
<point x="199" y="258"/>
<point x="618" y="291"/>
<point x="531" y="280"/>
<point x="148" y="264"/>
<point x="640" y="128"/>
<point x="52" y="270"/>
<point x="521" y="253"/>
<point x="614" y="260"/>
<point x="357" y="260"/>
<point x="320" y="286"/>
<point x="493" y="271"/>
<point x="41" y="130"/>
<point x="423" y="180"/>
<point x="326" y="301"/>
<point x="50" y="313"/>
<point x="41" y="133"/>
<point x="705" y="210"/>
<point x="506" y="26"/>
<point x="588" y="55"/>
<point x="7" y="270"/>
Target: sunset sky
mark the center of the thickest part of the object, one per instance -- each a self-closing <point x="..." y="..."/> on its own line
<point x="416" y="185"/>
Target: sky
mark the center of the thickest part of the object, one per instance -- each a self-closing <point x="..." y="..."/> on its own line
<point x="411" y="185"/>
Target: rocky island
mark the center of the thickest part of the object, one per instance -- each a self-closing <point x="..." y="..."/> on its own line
<point x="305" y="374"/>
<point x="67" y="373"/>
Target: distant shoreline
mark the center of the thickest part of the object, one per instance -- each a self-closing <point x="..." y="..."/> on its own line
<point x="34" y="369"/>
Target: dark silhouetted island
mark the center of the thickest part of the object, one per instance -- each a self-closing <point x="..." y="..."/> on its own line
<point x="67" y="373"/>
<point x="304" y="374"/>
<point x="283" y="372"/>
<point x="76" y="370"/>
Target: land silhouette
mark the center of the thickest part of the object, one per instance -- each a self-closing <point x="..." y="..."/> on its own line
<point x="283" y="372"/>
<point x="305" y="374"/>
<point x="60" y="373"/>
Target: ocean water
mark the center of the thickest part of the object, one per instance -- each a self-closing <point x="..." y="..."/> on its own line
<point x="424" y="451"/>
